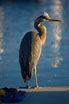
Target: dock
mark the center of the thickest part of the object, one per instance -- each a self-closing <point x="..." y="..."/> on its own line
<point x="46" y="95"/>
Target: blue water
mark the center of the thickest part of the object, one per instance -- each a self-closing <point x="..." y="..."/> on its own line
<point x="18" y="18"/>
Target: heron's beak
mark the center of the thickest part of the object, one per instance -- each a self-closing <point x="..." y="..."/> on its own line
<point x="54" y="20"/>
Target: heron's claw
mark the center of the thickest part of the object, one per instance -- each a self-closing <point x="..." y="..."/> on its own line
<point x="36" y="86"/>
<point x="27" y="87"/>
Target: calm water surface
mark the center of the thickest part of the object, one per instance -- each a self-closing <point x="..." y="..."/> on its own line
<point x="18" y="18"/>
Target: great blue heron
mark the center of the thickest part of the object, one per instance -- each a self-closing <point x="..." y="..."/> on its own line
<point x="31" y="47"/>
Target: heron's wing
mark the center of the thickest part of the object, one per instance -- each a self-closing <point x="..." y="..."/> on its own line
<point x="29" y="53"/>
<point x="36" y="48"/>
<point x="30" y="48"/>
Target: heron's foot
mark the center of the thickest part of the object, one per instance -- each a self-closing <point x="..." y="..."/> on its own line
<point x="36" y="87"/>
<point x="27" y="87"/>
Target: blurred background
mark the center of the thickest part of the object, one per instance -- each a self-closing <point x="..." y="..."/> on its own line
<point x="16" y="18"/>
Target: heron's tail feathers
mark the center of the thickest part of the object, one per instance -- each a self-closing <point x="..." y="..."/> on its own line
<point x="26" y="73"/>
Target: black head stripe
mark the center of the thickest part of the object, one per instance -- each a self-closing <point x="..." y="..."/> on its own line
<point x="42" y="17"/>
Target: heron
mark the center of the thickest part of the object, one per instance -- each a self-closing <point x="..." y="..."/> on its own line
<point x="31" y="48"/>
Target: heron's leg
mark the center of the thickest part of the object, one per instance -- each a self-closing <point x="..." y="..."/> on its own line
<point x="35" y="77"/>
<point x="27" y="84"/>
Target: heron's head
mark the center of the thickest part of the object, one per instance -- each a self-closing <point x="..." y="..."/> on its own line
<point x="46" y="18"/>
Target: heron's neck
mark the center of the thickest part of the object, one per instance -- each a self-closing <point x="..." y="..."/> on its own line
<point x="42" y="32"/>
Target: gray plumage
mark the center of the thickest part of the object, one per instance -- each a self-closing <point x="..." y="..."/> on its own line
<point x="29" y="53"/>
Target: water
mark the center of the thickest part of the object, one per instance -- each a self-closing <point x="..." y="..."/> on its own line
<point x="18" y="18"/>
